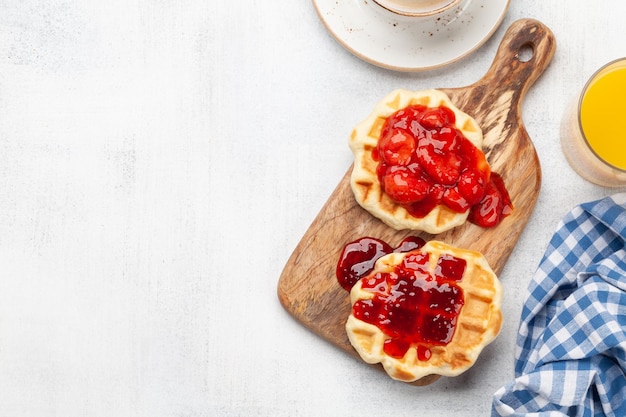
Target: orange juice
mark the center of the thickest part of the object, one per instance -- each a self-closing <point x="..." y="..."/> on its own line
<point x="603" y="113"/>
<point x="593" y="130"/>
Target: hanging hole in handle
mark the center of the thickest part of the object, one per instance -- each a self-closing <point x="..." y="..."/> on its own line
<point x="526" y="53"/>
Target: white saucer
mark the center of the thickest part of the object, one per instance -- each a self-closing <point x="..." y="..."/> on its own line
<point x="375" y="36"/>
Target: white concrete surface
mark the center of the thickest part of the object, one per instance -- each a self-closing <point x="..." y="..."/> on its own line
<point x="160" y="160"/>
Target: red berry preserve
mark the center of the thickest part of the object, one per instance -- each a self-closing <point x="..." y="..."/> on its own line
<point x="424" y="161"/>
<point x="410" y="304"/>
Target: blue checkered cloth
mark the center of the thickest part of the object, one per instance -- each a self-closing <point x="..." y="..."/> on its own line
<point x="570" y="357"/>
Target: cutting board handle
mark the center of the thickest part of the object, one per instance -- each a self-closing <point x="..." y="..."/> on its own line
<point x="523" y="55"/>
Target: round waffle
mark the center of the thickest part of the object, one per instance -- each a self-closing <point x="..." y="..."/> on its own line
<point x="364" y="180"/>
<point x="471" y="325"/>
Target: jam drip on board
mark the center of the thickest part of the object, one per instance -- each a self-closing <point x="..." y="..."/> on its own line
<point x="424" y="161"/>
<point x="410" y="304"/>
<point x="357" y="258"/>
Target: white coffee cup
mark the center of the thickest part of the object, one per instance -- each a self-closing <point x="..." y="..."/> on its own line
<point x="419" y="8"/>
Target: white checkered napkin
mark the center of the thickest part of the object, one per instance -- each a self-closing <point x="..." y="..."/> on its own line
<point x="571" y="348"/>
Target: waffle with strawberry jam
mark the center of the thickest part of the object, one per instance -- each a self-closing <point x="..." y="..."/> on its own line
<point x="419" y="165"/>
<point x="422" y="310"/>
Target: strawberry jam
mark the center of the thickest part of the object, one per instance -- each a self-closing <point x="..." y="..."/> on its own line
<point x="357" y="258"/>
<point x="412" y="306"/>
<point x="424" y="161"/>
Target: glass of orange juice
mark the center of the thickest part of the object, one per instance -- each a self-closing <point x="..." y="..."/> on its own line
<point x="593" y="131"/>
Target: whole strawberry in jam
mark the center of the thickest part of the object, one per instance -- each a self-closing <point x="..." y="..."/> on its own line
<point x="424" y="161"/>
<point x="494" y="206"/>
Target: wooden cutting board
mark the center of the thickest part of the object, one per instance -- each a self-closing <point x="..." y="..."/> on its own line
<point x="308" y="288"/>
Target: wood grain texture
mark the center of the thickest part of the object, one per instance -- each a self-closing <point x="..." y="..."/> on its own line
<point x="307" y="287"/>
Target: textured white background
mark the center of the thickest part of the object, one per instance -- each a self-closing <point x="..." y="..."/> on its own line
<point x="159" y="162"/>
